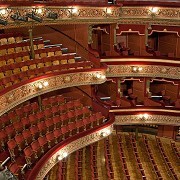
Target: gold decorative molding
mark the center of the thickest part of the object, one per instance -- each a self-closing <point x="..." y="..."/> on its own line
<point x="92" y="15"/>
<point x="151" y="119"/>
<point x="70" y="148"/>
<point x="27" y="91"/>
<point x="171" y="72"/>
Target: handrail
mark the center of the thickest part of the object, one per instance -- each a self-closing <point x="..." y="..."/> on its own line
<point x="57" y="30"/>
<point x="93" y="99"/>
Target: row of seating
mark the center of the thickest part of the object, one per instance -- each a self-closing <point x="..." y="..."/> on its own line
<point x="20" y="47"/>
<point x="47" y="52"/>
<point x="62" y="169"/>
<point x="17" y="68"/>
<point x="93" y="161"/>
<point x="79" y="165"/>
<point x="151" y="158"/>
<point x="173" y="145"/>
<point x="32" y="73"/>
<point x="10" y="38"/>
<point x="136" y="154"/>
<point x="34" y="146"/>
<point x="166" y="159"/>
<point x="122" y="157"/>
<point x="25" y="56"/>
<point x="44" y="123"/>
<point x="14" y="58"/>
<point x="109" y="167"/>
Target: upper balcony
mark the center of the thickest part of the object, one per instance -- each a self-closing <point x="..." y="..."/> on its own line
<point x="36" y="13"/>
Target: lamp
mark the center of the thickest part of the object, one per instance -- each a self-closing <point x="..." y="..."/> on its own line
<point x="34" y="17"/>
<point x="105" y="133"/>
<point x="18" y="17"/>
<point x="136" y="69"/>
<point x="52" y="15"/>
<point x="100" y="76"/>
<point x="143" y="116"/>
<point x="41" y="85"/>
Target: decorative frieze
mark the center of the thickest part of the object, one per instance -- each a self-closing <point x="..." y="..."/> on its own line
<point x="27" y="91"/>
<point x="17" y="16"/>
<point x="171" y="72"/>
<point x="150" y="119"/>
<point x="70" y="148"/>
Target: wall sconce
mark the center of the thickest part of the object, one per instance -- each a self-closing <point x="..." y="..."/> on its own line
<point x="74" y="10"/>
<point x="34" y="17"/>
<point x="52" y="15"/>
<point x="153" y="11"/>
<point x="39" y="10"/>
<point x="18" y="17"/>
<point x="100" y="76"/>
<point x="136" y="69"/>
<point x="62" y="155"/>
<point x="105" y="133"/>
<point x="41" y="85"/>
<point x="108" y="11"/>
<point x="3" y="11"/>
<point x="143" y="116"/>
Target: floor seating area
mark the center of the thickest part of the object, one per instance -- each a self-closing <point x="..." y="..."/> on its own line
<point x="166" y="159"/>
<point x="93" y="161"/>
<point x="151" y="157"/>
<point x="16" y="64"/>
<point x="124" y="151"/>
<point x="29" y="131"/>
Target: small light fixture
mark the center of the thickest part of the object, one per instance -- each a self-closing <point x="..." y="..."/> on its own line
<point x="74" y="10"/>
<point x="143" y="116"/>
<point x="3" y="11"/>
<point x="136" y="69"/>
<point x="105" y="133"/>
<point x="59" y="158"/>
<point x="39" y="10"/>
<point x="40" y="86"/>
<point x="65" y="154"/>
<point x="45" y="83"/>
<point x="109" y="11"/>
<point x="154" y="9"/>
<point x="100" y="76"/>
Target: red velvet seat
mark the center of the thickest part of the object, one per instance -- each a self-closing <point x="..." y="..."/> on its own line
<point x="50" y="138"/>
<point x="18" y="126"/>
<point x="33" y="119"/>
<point x="10" y="131"/>
<point x="13" y="149"/>
<point x="58" y="135"/>
<point x="43" y="143"/>
<point x="34" y="132"/>
<point x="20" y="141"/>
<point x="57" y="122"/>
<point x="27" y="136"/>
<point x="42" y="128"/>
<point x="37" y="148"/>
<point x="30" y="156"/>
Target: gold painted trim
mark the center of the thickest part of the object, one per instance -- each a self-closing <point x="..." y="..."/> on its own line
<point x="144" y="110"/>
<point x="30" y="90"/>
<point x="70" y="148"/>
<point x="151" y="119"/>
<point x="93" y="15"/>
<point x="140" y="60"/>
<point x="170" y="72"/>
